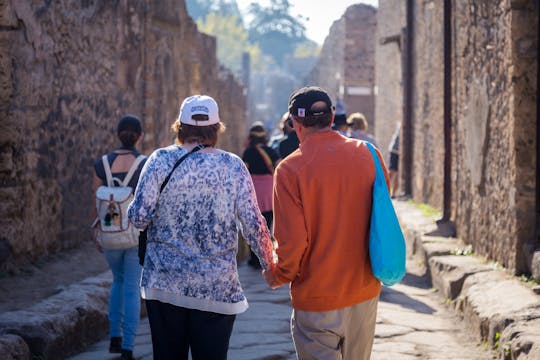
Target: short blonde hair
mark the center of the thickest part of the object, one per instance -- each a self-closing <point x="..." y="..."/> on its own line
<point x="357" y="121"/>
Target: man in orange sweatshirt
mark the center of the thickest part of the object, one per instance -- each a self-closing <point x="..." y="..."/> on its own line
<point x="322" y="207"/>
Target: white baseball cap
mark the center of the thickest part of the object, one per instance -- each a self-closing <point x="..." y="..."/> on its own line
<point x="199" y="105"/>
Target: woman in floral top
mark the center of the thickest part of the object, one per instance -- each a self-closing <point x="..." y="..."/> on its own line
<point x="190" y="278"/>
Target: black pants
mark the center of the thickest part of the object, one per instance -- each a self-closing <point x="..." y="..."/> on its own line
<point x="176" y="330"/>
<point x="253" y="259"/>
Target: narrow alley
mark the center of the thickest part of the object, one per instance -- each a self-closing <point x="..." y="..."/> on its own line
<point x="412" y="323"/>
<point x="446" y="90"/>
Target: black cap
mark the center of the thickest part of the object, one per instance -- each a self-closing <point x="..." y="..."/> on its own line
<point x="301" y="102"/>
<point x="129" y="123"/>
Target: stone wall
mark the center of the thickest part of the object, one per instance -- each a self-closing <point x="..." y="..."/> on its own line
<point x="494" y="127"/>
<point x="359" y="63"/>
<point x="328" y="70"/>
<point x="388" y="70"/>
<point x="346" y="66"/>
<point x="428" y="107"/>
<point x="494" y="87"/>
<point x="68" y="71"/>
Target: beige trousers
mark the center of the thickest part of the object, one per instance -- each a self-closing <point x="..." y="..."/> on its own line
<point x="343" y="334"/>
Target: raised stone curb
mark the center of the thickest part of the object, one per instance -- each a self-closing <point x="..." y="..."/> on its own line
<point x="449" y="272"/>
<point x="13" y="347"/>
<point x="497" y="308"/>
<point x="60" y="325"/>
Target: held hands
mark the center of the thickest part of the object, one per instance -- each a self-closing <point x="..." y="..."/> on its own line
<point x="269" y="277"/>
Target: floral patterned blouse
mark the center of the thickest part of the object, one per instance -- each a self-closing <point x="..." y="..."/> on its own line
<point x="193" y="229"/>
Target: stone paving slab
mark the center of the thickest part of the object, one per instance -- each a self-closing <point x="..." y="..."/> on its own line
<point x="412" y="323"/>
<point x="413" y="319"/>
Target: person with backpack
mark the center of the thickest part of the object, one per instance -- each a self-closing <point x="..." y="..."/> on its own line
<point x="115" y="179"/>
<point x="193" y="198"/>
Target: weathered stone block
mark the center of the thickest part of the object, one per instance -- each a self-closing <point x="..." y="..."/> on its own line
<point x="520" y="340"/>
<point x="62" y="324"/>
<point x="438" y="245"/>
<point x="13" y="347"/>
<point x="483" y="307"/>
<point x="7" y="15"/>
<point x="448" y="273"/>
<point x="535" y="266"/>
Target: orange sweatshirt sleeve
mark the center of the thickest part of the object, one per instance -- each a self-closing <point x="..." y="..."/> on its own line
<point x="289" y="226"/>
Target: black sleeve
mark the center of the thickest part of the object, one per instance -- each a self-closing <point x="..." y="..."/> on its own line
<point x="274" y="156"/>
<point x="250" y="158"/>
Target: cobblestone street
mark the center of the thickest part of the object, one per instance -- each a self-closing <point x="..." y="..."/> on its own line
<point x="412" y="323"/>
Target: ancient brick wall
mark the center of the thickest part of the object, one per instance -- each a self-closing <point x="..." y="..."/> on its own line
<point x="428" y="103"/>
<point x="388" y="70"/>
<point x="328" y="70"/>
<point x="494" y="59"/>
<point x="346" y="66"/>
<point x="427" y="97"/>
<point x="68" y="71"/>
<point x="359" y="63"/>
<point x="495" y="120"/>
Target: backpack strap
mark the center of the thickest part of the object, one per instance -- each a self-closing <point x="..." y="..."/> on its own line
<point x="108" y="174"/>
<point x="107" y="168"/>
<point x="266" y="158"/>
<point x="132" y="170"/>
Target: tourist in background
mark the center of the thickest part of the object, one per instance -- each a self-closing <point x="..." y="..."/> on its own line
<point x="340" y="124"/>
<point x="393" y="167"/>
<point x="124" y="300"/>
<point x="358" y="127"/>
<point x="322" y="207"/>
<point x="190" y="277"/>
<point x="261" y="160"/>
<point x="290" y="143"/>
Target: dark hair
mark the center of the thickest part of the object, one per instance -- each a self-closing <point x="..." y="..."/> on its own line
<point x="128" y="138"/>
<point x="128" y="130"/>
<point x="318" y="121"/>
<point x="257" y="134"/>
<point x="200" y="134"/>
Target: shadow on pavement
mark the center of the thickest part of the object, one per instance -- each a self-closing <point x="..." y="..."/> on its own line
<point x="397" y="297"/>
<point x="421" y="282"/>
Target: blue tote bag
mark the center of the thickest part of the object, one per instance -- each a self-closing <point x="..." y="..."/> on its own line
<point x="386" y="241"/>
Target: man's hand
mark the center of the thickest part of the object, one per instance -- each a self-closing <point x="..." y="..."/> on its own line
<point x="269" y="277"/>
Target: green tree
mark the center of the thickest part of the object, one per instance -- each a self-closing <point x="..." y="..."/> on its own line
<point x="275" y="30"/>
<point x="308" y="48"/>
<point x="232" y="40"/>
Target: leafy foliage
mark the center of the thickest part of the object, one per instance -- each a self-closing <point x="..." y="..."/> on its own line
<point x="309" y="48"/>
<point x="275" y="30"/>
<point x="232" y="39"/>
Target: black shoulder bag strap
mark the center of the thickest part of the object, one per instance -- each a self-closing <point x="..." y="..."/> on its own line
<point x="143" y="234"/>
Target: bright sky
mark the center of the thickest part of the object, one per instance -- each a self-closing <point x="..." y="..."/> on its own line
<point x="321" y="14"/>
